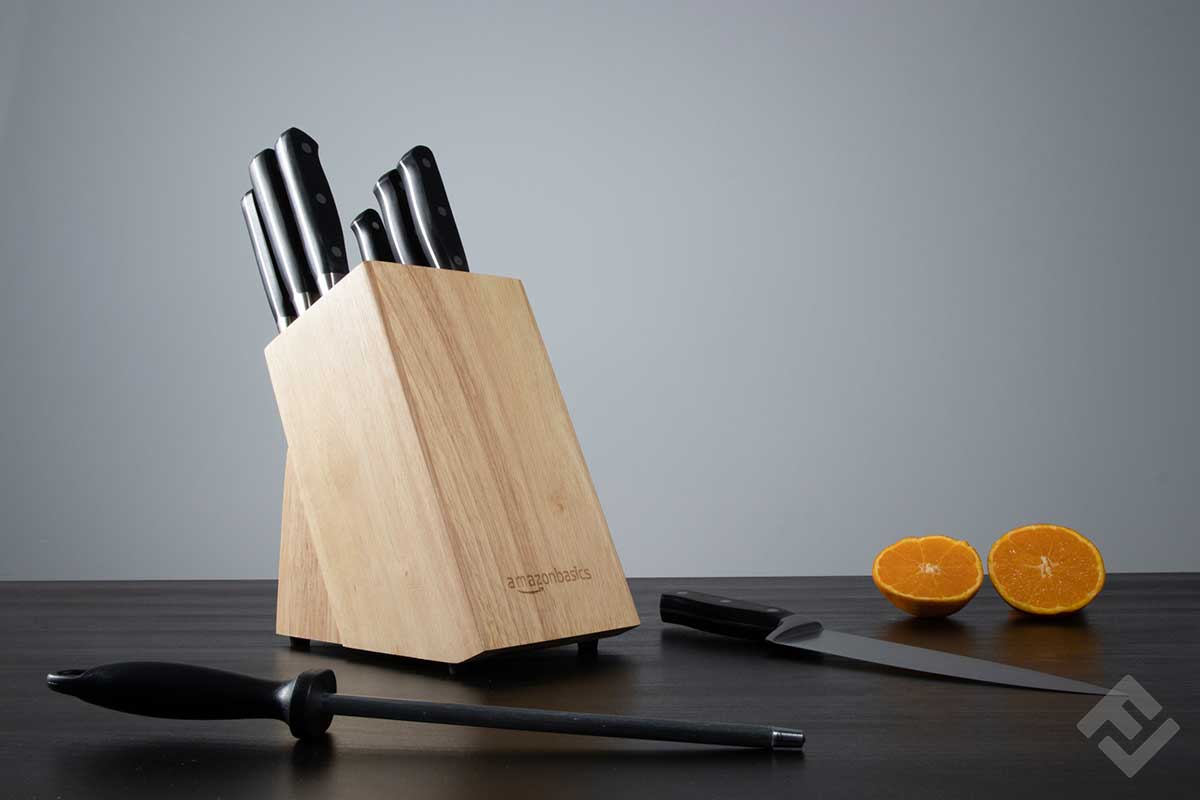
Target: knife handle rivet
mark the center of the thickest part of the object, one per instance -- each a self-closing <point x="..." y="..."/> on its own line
<point x="337" y="251"/>
<point x="322" y="199"/>
<point x="442" y="210"/>
<point x="426" y="162"/>
<point x="458" y="261"/>
<point x="376" y="225"/>
<point x="306" y="147"/>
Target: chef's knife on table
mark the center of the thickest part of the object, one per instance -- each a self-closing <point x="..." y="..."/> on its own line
<point x="277" y="299"/>
<point x="371" y="237"/>
<point x="312" y="203"/>
<point x="782" y="628"/>
<point x="398" y="220"/>
<point x="431" y="209"/>
<point x="270" y="192"/>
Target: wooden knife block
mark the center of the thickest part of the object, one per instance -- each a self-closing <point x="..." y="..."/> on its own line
<point x="436" y="502"/>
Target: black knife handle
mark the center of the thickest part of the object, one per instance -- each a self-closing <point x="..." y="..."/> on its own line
<point x="312" y="202"/>
<point x="372" y="239"/>
<point x="431" y="209"/>
<point x="723" y="615"/>
<point x="182" y="691"/>
<point x="271" y="194"/>
<point x="398" y="220"/>
<point x="277" y="299"/>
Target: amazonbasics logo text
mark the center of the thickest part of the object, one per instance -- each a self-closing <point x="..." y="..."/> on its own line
<point x="540" y="581"/>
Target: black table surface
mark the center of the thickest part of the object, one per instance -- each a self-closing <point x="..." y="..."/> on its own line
<point x="871" y="731"/>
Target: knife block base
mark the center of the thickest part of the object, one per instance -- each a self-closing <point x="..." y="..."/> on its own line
<point x="436" y="502"/>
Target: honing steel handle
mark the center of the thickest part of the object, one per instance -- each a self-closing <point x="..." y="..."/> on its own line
<point x="183" y="691"/>
<point x="723" y="615"/>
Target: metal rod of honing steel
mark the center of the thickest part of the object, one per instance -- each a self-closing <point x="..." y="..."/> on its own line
<point x="529" y="719"/>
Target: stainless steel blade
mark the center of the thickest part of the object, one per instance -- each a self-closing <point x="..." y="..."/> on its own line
<point x="920" y="659"/>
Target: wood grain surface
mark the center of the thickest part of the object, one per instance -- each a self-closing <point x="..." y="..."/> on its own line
<point x="444" y="491"/>
<point x="871" y="732"/>
<point x="302" y="606"/>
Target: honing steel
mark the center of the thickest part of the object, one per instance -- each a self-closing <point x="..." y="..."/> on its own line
<point x="371" y="237"/>
<point x="398" y="221"/>
<point x="431" y="209"/>
<point x="309" y="702"/>
<point x="312" y="204"/>
<point x="281" y="306"/>
<point x="270" y="192"/>
<point x="782" y="628"/>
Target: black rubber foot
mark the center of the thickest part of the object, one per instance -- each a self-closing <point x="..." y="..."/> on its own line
<point x="297" y="643"/>
<point x="589" y="649"/>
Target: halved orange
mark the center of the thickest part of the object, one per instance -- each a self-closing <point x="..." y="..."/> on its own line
<point x="930" y="576"/>
<point x="1046" y="569"/>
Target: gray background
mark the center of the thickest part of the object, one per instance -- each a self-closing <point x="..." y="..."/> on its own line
<point x="813" y="276"/>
